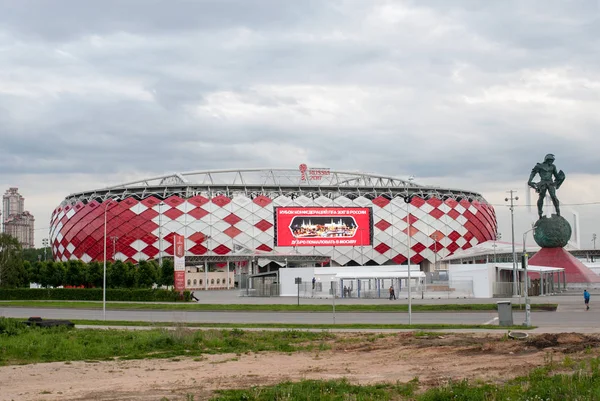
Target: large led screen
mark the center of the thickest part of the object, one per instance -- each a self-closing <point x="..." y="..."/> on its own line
<point x="323" y="226"/>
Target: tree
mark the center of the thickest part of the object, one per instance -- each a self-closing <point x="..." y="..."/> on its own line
<point x="44" y="274"/>
<point x="147" y="274"/>
<point x="12" y="272"/>
<point x="114" y="277"/>
<point x="95" y="274"/>
<point x="35" y="255"/>
<point x="166" y="273"/>
<point x="129" y="275"/>
<point x="33" y="271"/>
<point x="120" y="275"/>
<point x="75" y="273"/>
<point x="27" y="270"/>
<point x="52" y="274"/>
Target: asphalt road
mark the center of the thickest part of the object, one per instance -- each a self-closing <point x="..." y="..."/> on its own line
<point x="575" y="319"/>
<point x="570" y="316"/>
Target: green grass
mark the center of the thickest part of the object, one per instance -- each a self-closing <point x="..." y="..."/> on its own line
<point x="315" y="390"/>
<point x="20" y="344"/>
<point x="271" y="307"/>
<point x="354" y="326"/>
<point x="582" y="383"/>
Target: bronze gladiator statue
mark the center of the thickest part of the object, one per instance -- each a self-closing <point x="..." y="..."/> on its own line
<point x="547" y="170"/>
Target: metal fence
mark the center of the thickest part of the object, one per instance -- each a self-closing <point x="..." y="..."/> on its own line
<point x="351" y="289"/>
<point x="505" y="289"/>
<point x="447" y="289"/>
<point x="319" y="290"/>
<point x="260" y="287"/>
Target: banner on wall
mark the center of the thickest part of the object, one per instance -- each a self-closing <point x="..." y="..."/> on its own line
<point x="323" y="226"/>
<point x="179" y="261"/>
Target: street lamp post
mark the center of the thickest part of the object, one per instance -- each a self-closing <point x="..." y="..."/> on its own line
<point x="526" y="289"/>
<point x="45" y="245"/>
<point x="497" y="237"/>
<point x="512" y="223"/>
<point x="362" y="248"/>
<point x="160" y="253"/>
<point x="435" y="237"/>
<point x="114" y="242"/>
<point x="108" y="203"/>
<point x="407" y="200"/>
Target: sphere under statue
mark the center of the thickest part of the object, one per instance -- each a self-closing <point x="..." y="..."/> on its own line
<point x="553" y="232"/>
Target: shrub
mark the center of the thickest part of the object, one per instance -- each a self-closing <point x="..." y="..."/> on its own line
<point x="11" y="327"/>
<point x="92" y="294"/>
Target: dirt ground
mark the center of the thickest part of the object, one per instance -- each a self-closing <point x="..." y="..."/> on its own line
<point x="361" y="358"/>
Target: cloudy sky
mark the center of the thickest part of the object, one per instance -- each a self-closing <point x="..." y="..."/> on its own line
<point x="469" y="94"/>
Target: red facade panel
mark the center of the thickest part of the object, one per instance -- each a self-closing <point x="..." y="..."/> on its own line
<point x="381" y="201"/>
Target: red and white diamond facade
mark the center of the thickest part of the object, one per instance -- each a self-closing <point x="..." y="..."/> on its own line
<point x="218" y="212"/>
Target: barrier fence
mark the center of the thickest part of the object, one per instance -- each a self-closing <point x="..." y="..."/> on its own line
<point x="505" y="289"/>
<point x="260" y="287"/>
<point x="366" y="289"/>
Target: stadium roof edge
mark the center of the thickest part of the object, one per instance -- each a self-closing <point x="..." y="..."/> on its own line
<point x="271" y="177"/>
<point x="253" y="170"/>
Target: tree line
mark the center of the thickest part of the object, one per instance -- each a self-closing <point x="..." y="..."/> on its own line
<point x="15" y="271"/>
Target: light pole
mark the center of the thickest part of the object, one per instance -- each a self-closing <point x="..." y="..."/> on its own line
<point x="594" y="240"/>
<point x="362" y="249"/>
<point x="407" y="200"/>
<point x="114" y="241"/>
<point x="45" y="245"/>
<point x="526" y="289"/>
<point x="435" y="237"/>
<point x="512" y="223"/>
<point x="108" y="203"/>
<point x="496" y="238"/>
<point x="160" y="205"/>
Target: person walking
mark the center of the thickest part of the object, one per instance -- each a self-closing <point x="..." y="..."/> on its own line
<point x="392" y="293"/>
<point x="586" y="298"/>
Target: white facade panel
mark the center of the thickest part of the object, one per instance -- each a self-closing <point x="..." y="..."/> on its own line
<point x="482" y="276"/>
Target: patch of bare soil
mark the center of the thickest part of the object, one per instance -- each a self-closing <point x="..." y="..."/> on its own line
<point x="361" y="358"/>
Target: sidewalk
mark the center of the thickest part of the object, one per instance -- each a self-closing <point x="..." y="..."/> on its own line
<point x="233" y="297"/>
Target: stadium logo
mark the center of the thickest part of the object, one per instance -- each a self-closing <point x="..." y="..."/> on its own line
<point x="312" y="174"/>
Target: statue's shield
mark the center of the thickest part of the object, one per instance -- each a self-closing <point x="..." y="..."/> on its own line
<point x="560" y="178"/>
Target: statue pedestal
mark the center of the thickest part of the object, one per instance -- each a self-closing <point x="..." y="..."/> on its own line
<point x="575" y="270"/>
<point x="553" y="234"/>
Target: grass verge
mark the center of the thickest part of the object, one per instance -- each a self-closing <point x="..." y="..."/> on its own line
<point x="355" y="326"/>
<point x="271" y="307"/>
<point x="581" y="383"/>
<point x="20" y="344"/>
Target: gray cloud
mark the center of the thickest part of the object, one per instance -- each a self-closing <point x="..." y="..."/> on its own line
<point x="67" y="19"/>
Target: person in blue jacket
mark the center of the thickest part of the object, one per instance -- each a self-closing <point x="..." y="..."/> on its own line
<point x="586" y="298"/>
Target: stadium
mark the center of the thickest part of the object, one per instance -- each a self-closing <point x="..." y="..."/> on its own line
<point x="312" y="216"/>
